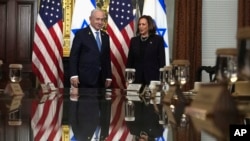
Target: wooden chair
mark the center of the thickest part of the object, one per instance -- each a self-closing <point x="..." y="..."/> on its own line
<point x="211" y="70"/>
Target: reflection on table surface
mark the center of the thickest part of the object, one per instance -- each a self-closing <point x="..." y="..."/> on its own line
<point x="94" y="114"/>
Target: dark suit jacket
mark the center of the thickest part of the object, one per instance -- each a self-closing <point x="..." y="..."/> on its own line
<point x="91" y="110"/>
<point x="84" y="117"/>
<point x="87" y="61"/>
<point x="146" y="57"/>
<point x="147" y="120"/>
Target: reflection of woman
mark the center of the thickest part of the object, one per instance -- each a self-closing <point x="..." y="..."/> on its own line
<point x="146" y="52"/>
<point x="146" y="126"/>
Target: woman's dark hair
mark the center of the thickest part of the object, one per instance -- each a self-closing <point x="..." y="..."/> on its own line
<point x="151" y="25"/>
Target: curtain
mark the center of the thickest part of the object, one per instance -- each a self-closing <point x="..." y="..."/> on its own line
<point x="187" y="36"/>
<point x="243" y="13"/>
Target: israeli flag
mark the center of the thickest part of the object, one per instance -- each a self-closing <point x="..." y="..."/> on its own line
<point x="164" y="136"/>
<point x="80" y="18"/>
<point x="71" y="135"/>
<point x="157" y="10"/>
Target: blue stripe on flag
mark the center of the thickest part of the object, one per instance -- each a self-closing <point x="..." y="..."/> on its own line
<point x="93" y="2"/>
<point x="162" y="3"/>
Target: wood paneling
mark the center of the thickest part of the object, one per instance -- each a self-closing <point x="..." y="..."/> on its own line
<point x="17" y="21"/>
<point x="16" y="39"/>
<point x="24" y="32"/>
<point x="3" y="19"/>
<point x="15" y="133"/>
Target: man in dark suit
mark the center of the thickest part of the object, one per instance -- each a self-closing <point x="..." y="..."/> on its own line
<point x="90" y="64"/>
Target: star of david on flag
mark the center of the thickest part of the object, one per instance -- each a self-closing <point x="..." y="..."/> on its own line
<point x="162" y="32"/>
<point x="84" y="24"/>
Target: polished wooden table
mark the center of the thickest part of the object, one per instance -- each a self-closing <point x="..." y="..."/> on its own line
<point x="57" y="115"/>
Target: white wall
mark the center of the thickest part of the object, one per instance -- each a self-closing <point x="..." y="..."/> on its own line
<point x="219" y="25"/>
<point x="170" y="4"/>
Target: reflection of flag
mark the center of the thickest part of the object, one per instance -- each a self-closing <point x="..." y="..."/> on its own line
<point x="118" y="131"/>
<point x="121" y="29"/>
<point x="48" y="42"/>
<point x="46" y="118"/>
<point x="71" y="135"/>
<point x="80" y="18"/>
<point x="157" y="10"/>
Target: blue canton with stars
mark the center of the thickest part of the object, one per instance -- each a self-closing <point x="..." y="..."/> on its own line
<point x="121" y="12"/>
<point x="50" y="12"/>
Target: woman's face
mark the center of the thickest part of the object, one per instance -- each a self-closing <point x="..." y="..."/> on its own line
<point x="143" y="27"/>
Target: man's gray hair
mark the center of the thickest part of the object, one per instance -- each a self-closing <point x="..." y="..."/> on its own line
<point x="95" y="10"/>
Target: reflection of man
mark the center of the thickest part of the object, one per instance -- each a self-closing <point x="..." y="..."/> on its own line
<point x="89" y="114"/>
<point x="146" y="126"/>
<point x="90" y="64"/>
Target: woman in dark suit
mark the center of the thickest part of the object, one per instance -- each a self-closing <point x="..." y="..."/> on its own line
<point x="90" y="65"/>
<point x="146" y="52"/>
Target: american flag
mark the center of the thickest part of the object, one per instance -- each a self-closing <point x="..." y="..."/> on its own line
<point x="121" y="30"/>
<point x="118" y="130"/>
<point x="48" y="42"/>
<point x="46" y="117"/>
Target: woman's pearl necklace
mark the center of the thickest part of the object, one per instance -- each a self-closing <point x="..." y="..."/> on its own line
<point x="144" y="38"/>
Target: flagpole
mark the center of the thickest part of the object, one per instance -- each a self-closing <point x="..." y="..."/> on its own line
<point x="137" y="15"/>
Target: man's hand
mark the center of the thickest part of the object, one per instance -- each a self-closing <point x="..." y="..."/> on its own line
<point x="108" y="83"/>
<point x="74" y="82"/>
<point x="74" y="94"/>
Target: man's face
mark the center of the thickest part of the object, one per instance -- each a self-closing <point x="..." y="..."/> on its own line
<point x="97" y="20"/>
